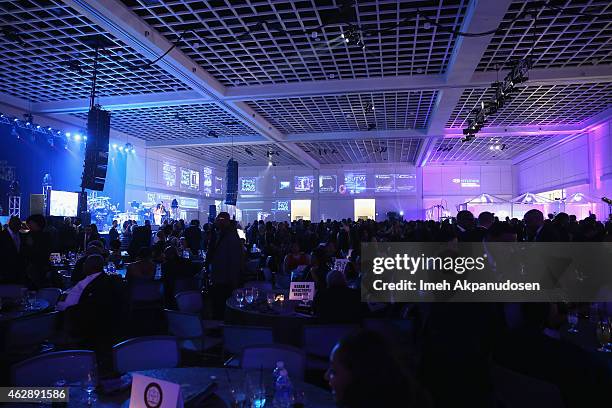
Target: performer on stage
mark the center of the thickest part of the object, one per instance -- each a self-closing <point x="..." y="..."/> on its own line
<point x="158" y="213"/>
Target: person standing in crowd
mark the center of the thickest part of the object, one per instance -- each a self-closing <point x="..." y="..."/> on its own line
<point x="465" y="225"/>
<point x="89" y="234"/>
<point x="11" y="253"/>
<point x="68" y="235"/>
<point x="224" y="260"/>
<point x="113" y="233"/>
<point x="193" y="237"/>
<point x="37" y="250"/>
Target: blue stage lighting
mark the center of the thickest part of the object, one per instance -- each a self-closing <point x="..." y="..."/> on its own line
<point x="120" y="148"/>
<point x="77" y="137"/>
<point x="85" y="138"/>
<point x="114" y="145"/>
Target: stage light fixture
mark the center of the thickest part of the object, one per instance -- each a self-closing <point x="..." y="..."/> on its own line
<point x="115" y="146"/>
<point x="120" y="148"/>
<point x="77" y="137"/>
<point x="270" y="163"/>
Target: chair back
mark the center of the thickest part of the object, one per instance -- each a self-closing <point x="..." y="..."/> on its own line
<point x="11" y="291"/>
<point x="266" y="355"/>
<point x="143" y="291"/>
<point x="51" y="295"/>
<point x="235" y="338"/>
<point x="261" y="285"/>
<point x="145" y="353"/>
<point x="185" y="284"/>
<point x="319" y="340"/>
<point x="30" y="331"/>
<point x="515" y="390"/>
<point x="190" y="301"/>
<point x="46" y="369"/>
<point x="183" y="325"/>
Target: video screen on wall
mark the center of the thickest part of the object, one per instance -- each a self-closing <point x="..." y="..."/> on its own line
<point x="190" y="179"/>
<point x="218" y="185"/>
<point x="405" y="182"/>
<point x="303" y="184"/>
<point x="385" y="183"/>
<point x="282" y="206"/>
<point x="328" y="184"/>
<point x="169" y="174"/>
<point x="248" y="184"/>
<point x="63" y="204"/>
<point x="284" y="185"/>
<point x="207" y="180"/>
<point x="355" y="183"/>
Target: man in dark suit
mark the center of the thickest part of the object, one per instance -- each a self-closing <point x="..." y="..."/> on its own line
<point x="225" y="260"/>
<point x="537" y="230"/>
<point x="193" y="236"/>
<point x="95" y="306"/>
<point x="465" y="225"/>
<point x="141" y="238"/>
<point x="113" y="233"/>
<point x="11" y="253"/>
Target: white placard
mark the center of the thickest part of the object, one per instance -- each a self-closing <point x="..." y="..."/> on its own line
<point x="340" y="264"/>
<point x="301" y="291"/>
<point x="150" y="392"/>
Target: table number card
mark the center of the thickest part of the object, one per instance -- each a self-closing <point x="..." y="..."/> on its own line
<point x="340" y="264"/>
<point x="150" y="392"/>
<point x="301" y="291"/>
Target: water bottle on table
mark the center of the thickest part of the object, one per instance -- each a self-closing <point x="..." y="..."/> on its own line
<point x="283" y="393"/>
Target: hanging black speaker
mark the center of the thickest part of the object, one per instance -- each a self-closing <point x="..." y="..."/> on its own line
<point x="231" y="193"/>
<point x="96" y="150"/>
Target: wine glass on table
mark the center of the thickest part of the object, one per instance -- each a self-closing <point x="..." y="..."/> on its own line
<point x="248" y="295"/>
<point x="89" y="385"/>
<point x="239" y="297"/>
<point x="603" y="335"/>
<point x="572" y="320"/>
<point x="270" y="298"/>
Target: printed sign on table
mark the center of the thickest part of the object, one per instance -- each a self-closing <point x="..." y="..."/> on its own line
<point x="301" y="291"/>
<point x="150" y="392"/>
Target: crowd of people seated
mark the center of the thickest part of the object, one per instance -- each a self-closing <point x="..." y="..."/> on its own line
<point x="455" y="342"/>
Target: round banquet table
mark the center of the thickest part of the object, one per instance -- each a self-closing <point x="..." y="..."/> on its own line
<point x="586" y="338"/>
<point x="286" y="324"/>
<point x="17" y="310"/>
<point x="194" y="380"/>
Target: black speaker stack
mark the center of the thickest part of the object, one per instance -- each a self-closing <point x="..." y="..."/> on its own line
<point x="96" y="150"/>
<point x="231" y="193"/>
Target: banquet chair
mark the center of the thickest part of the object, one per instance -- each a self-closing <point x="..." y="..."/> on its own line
<point x="189" y="330"/>
<point x="27" y="333"/>
<point x="515" y="390"/>
<point x="235" y="338"/>
<point x="189" y="301"/>
<point x="261" y="285"/>
<point x="51" y="295"/>
<point x="319" y="340"/>
<point x="146" y="293"/>
<point x="267" y="355"/>
<point x="144" y="353"/>
<point x="45" y="370"/>
<point x="11" y="291"/>
<point x="185" y="285"/>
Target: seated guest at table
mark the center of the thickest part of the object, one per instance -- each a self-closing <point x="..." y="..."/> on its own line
<point x="94" y="306"/>
<point x="337" y="303"/>
<point x="143" y="268"/>
<point x="364" y="372"/>
<point x="295" y="258"/>
<point x="11" y="253"/>
<point x="225" y="260"/>
<point x="317" y="270"/>
<point x="78" y="273"/>
<point x="174" y="268"/>
<point x="115" y="252"/>
<point x="113" y="233"/>
<point x="536" y="350"/>
<point x="141" y="237"/>
<point x="36" y="247"/>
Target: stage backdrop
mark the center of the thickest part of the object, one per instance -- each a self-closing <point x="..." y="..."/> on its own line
<point x="28" y="158"/>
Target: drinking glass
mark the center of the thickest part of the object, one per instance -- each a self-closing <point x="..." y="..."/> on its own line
<point x="258" y="397"/>
<point x="299" y="399"/>
<point x="603" y="335"/>
<point x="239" y="297"/>
<point x="270" y="298"/>
<point x="238" y="398"/>
<point x="255" y="294"/>
<point x="572" y="319"/>
<point x="248" y="295"/>
<point x="31" y="300"/>
<point x="89" y="385"/>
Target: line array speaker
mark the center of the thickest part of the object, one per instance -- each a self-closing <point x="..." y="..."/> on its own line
<point x="231" y="193"/>
<point x="96" y="150"/>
